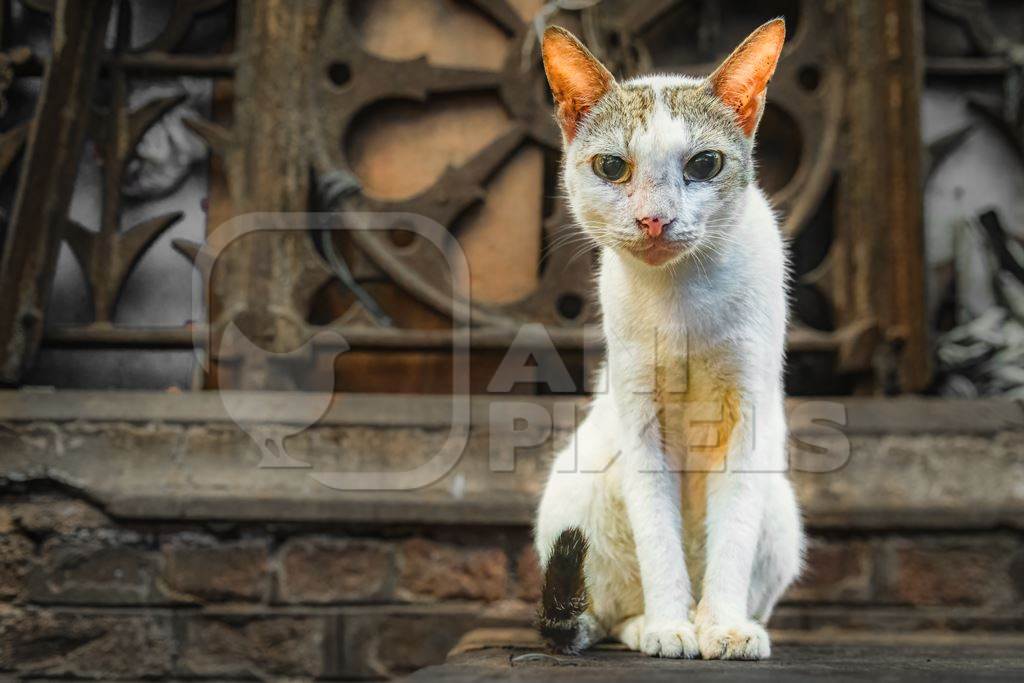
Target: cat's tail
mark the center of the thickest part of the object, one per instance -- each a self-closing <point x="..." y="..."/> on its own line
<point x="564" y="622"/>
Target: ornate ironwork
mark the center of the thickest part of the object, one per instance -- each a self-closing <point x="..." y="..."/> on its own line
<point x="291" y="118"/>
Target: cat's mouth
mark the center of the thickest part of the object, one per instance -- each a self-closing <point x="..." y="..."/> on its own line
<point x="659" y="252"/>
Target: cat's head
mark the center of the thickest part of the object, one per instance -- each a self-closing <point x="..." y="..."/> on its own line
<point x="656" y="166"/>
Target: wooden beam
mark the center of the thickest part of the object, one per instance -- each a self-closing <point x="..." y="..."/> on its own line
<point x="47" y="179"/>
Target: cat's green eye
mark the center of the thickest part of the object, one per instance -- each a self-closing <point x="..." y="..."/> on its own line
<point x="704" y="165"/>
<point x="610" y="167"/>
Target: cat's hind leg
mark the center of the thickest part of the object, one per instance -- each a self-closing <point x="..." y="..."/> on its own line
<point x="630" y="632"/>
<point x="780" y="549"/>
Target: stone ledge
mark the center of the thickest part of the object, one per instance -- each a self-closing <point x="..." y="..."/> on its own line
<point x="912" y="463"/>
<point x="488" y="638"/>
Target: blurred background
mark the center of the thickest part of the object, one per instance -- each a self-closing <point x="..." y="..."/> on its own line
<point x="151" y="527"/>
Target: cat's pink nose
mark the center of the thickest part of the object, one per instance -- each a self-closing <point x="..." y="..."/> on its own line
<point x="653" y="226"/>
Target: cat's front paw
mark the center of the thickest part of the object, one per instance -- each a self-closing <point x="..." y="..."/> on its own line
<point x="742" y="640"/>
<point x="673" y="639"/>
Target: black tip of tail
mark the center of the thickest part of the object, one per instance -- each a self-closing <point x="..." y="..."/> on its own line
<point x="564" y="597"/>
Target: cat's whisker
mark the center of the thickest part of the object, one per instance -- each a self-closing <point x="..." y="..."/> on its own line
<point x="583" y="245"/>
<point x="700" y="265"/>
<point x="563" y="240"/>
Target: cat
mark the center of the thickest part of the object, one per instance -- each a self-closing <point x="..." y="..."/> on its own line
<point x="668" y="522"/>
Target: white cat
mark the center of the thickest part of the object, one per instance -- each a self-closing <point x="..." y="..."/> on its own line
<point x="684" y="455"/>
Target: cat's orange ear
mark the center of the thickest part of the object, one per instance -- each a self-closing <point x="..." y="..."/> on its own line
<point x="741" y="80"/>
<point x="576" y="78"/>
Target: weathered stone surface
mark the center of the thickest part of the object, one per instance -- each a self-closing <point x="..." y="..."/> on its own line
<point x="262" y="647"/>
<point x="935" y="480"/>
<point x="83" y="644"/>
<point x="437" y="571"/>
<point x="328" y="570"/>
<point x="198" y="567"/>
<point x="15" y="563"/>
<point x="528" y="575"/>
<point x="105" y="567"/>
<point x="953" y="570"/>
<point x="510" y="611"/>
<point x="55" y="514"/>
<point x="960" y="464"/>
<point x="836" y="570"/>
<point x="514" y="654"/>
<point x="1017" y="571"/>
<point x="377" y="644"/>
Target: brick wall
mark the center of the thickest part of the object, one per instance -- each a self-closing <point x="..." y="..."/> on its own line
<point x="87" y="596"/>
<point x="126" y="554"/>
